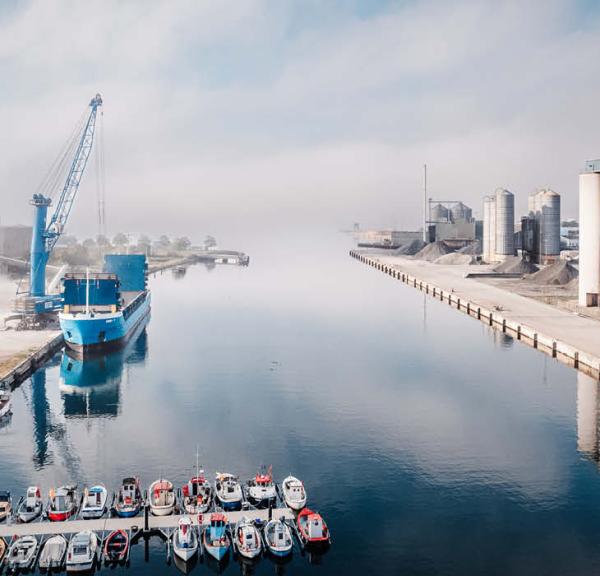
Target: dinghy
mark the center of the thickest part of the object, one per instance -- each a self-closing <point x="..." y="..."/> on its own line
<point x="62" y="503"/>
<point x="5" y="404"/>
<point x="162" y="497"/>
<point x="215" y="538"/>
<point x="261" y="489"/>
<point x="312" y="528"/>
<point x="228" y="491"/>
<point x="21" y="553"/>
<point x="32" y="506"/>
<point x="129" y="499"/>
<point x="53" y="553"/>
<point x="94" y="502"/>
<point x="185" y="540"/>
<point x="116" y="546"/>
<point x="247" y="538"/>
<point x="278" y="538"/>
<point x="82" y="552"/>
<point x="294" y="493"/>
<point x="5" y="505"/>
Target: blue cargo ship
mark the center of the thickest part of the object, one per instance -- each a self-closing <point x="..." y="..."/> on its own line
<point x="102" y="310"/>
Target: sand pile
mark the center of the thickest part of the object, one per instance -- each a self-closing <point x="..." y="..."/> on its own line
<point x="474" y="248"/>
<point x="433" y="251"/>
<point x="411" y="248"/>
<point x="559" y="273"/>
<point x="515" y="265"/>
<point x="455" y="258"/>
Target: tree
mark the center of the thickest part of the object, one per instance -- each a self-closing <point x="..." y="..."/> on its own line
<point x="209" y="242"/>
<point x="164" y="241"/>
<point x="182" y="243"/>
<point x="89" y="243"/>
<point x="121" y="239"/>
<point x="145" y="244"/>
<point x="68" y="240"/>
<point x="102" y="240"/>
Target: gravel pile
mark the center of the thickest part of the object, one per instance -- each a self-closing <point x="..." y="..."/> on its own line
<point x="411" y="248"/>
<point x="474" y="248"/>
<point x="433" y="251"/>
<point x="515" y="265"/>
<point x="559" y="273"/>
<point x="455" y="258"/>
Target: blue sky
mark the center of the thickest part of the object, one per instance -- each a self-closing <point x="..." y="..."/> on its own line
<point x="255" y="115"/>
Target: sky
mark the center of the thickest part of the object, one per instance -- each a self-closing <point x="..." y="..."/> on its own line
<point x="263" y="118"/>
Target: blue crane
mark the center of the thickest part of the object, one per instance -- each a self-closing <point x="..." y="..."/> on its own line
<point x="44" y="236"/>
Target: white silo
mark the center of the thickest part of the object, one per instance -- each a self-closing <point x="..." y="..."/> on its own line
<point x="489" y="229"/>
<point x="548" y="226"/>
<point x="439" y="213"/>
<point x="589" y="235"/>
<point x="505" y="224"/>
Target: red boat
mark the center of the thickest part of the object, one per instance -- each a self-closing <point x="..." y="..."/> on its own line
<point x="116" y="546"/>
<point x="312" y="528"/>
<point x="62" y="503"/>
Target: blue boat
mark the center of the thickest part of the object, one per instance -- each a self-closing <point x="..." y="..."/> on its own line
<point x="216" y="540"/>
<point x="102" y="310"/>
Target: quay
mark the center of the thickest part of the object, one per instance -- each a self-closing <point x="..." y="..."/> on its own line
<point x="569" y="337"/>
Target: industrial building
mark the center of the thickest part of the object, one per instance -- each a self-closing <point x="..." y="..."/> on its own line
<point x="386" y="238"/>
<point x="450" y="220"/>
<point x="15" y="241"/>
<point x="540" y="229"/>
<point x="498" y="226"/>
<point x="589" y="234"/>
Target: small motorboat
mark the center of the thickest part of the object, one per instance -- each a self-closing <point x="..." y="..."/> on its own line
<point x="5" y="404"/>
<point x="62" y="503"/>
<point x="94" y="502"/>
<point x="197" y="495"/>
<point x="116" y="546"/>
<point x="53" y="553"/>
<point x="261" y="489"/>
<point x="278" y="537"/>
<point x="21" y="553"/>
<point x="129" y="499"/>
<point x="82" y="552"/>
<point x="247" y="538"/>
<point x="312" y="528"/>
<point x="185" y="539"/>
<point x="215" y="539"/>
<point x="294" y="493"/>
<point x="228" y="491"/>
<point x="162" y="497"/>
<point x="5" y="505"/>
<point x="32" y="506"/>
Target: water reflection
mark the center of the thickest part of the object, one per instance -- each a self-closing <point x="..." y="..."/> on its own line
<point x="587" y="416"/>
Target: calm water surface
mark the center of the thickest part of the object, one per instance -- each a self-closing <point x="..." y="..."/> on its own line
<point x="430" y="444"/>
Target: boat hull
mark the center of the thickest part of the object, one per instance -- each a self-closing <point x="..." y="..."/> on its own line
<point x="185" y="554"/>
<point x="229" y="505"/>
<point x="162" y="510"/>
<point x="217" y="552"/>
<point x="60" y="516"/>
<point x="127" y="512"/>
<point x="262" y="502"/>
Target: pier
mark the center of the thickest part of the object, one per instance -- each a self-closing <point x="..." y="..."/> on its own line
<point x="566" y="336"/>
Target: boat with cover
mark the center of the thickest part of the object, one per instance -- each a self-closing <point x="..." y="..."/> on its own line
<point x="312" y="528"/>
<point x="53" y="553"/>
<point x="215" y="539"/>
<point x="247" y="538"/>
<point x="62" y="503"/>
<point x="82" y="551"/>
<point x="5" y="404"/>
<point x="228" y="491"/>
<point x="162" y="497"/>
<point x="5" y="505"/>
<point x="261" y="489"/>
<point x="116" y="546"/>
<point x="294" y="493"/>
<point x="129" y="498"/>
<point x="32" y="506"/>
<point x="94" y="502"/>
<point x="278" y="537"/>
<point x="185" y="539"/>
<point x="21" y="553"/>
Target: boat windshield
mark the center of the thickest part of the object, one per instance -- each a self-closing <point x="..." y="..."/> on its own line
<point x="79" y="550"/>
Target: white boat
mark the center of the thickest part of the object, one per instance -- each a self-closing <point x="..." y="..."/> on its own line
<point x="261" y="489"/>
<point x="247" y="538"/>
<point x="162" y="497"/>
<point x="228" y="491"/>
<point x="21" y="553"/>
<point x="278" y="537"/>
<point x="94" y="502"/>
<point x="197" y="493"/>
<point x="62" y="503"/>
<point x="82" y="552"/>
<point x="32" y="506"/>
<point x="185" y="539"/>
<point x="53" y="553"/>
<point x="5" y="505"/>
<point x="294" y="493"/>
<point x="5" y="404"/>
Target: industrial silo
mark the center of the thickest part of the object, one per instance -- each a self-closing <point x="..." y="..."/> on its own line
<point x="439" y="213"/>
<point x="461" y="213"/>
<point x="589" y="235"/>
<point x="505" y="224"/>
<point x="547" y="206"/>
<point x="489" y="229"/>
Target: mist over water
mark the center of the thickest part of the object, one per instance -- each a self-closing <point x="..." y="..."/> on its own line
<point x="429" y="443"/>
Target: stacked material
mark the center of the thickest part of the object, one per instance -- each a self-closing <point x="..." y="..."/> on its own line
<point x="473" y="248"/>
<point x="455" y="258"/>
<point x="516" y="265"/>
<point x="433" y="251"/>
<point x="559" y="273"/>
<point x="411" y="248"/>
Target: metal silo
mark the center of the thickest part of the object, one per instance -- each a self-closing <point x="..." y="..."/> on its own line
<point x="548" y="226"/>
<point x="489" y="229"/>
<point x="505" y="224"/>
<point x="461" y="212"/>
<point x="439" y="213"/>
<point x="589" y="236"/>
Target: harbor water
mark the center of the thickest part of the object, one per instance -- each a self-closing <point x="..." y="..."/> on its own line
<point x="430" y="443"/>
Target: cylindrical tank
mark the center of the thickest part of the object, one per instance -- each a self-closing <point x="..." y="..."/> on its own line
<point x="461" y="212"/>
<point x="548" y="226"/>
<point x="505" y="224"/>
<point x="589" y="238"/>
<point x="439" y="213"/>
<point x="489" y="229"/>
